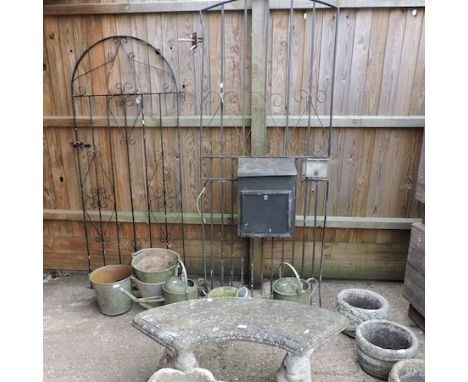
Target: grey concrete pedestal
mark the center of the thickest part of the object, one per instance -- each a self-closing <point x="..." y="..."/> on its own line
<point x="184" y="361"/>
<point x="295" y="368"/>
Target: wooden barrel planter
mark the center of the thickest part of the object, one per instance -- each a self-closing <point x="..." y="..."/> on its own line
<point x="359" y="305"/>
<point x="410" y="370"/>
<point x="381" y="343"/>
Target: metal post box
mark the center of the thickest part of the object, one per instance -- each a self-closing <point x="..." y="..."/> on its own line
<point x="267" y="196"/>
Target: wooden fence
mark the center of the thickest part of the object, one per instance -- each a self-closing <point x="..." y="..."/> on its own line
<point x="379" y="120"/>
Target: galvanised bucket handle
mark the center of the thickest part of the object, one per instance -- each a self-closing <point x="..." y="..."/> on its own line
<point x="299" y="290"/>
<point x="135" y="254"/>
<point x="312" y="288"/>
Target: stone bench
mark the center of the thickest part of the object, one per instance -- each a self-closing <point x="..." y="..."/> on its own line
<point x="293" y="327"/>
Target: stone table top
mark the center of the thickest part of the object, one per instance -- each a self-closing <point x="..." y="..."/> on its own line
<point x="293" y="327"/>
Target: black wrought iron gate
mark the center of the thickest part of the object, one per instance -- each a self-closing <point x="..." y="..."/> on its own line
<point x="130" y="163"/>
<point x="228" y="130"/>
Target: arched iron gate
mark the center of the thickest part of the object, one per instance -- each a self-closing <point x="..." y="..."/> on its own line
<point x="129" y="161"/>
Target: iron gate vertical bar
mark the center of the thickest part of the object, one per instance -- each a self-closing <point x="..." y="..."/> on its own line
<point x="314" y="231"/>
<point x="78" y="162"/>
<point x="127" y="142"/>
<point x="211" y="223"/>
<point x="262" y="242"/>
<point x="282" y="253"/>
<point x="288" y="83"/>
<point x="200" y="160"/>
<point x="244" y="79"/>
<point x="337" y="15"/>
<point x="98" y="188"/>
<point x="148" y="195"/>
<point x="113" y="177"/>
<point x="271" y="265"/>
<point x="306" y="192"/>
<point x="179" y="147"/>
<point x="222" y="143"/>
<point x="232" y="221"/>
<point x="252" y="254"/>
<point x="163" y="171"/>
<point x="323" y="242"/>
<point x="309" y="95"/>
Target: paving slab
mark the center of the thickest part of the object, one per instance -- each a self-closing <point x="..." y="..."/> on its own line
<point x="81" y="344"/>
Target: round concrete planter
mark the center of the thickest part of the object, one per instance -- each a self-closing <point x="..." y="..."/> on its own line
<point x="380" y="344"/>
<point x="359" y="305"/>
<point x="410" y="370"/>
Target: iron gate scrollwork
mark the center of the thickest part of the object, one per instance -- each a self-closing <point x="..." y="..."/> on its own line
<point x="127" y="140"/>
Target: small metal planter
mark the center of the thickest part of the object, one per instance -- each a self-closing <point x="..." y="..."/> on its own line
<point x="294" y="288"/>
<point x="179" y="289"/>
<point x="107" y="282"/>
<point x="155" y="265"/>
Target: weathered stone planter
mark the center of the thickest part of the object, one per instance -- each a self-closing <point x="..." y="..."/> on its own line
<point x="359" y="305"/>
<point x="410" y="370"/>
<point x="380" y="344"/>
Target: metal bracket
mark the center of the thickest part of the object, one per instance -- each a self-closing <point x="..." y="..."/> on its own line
<point x="316" y="168"/>
<point x="79" y="144"/>
<point x="194" y="39"/>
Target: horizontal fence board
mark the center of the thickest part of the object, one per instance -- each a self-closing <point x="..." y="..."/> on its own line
<point x="194" y="218"/>
<point x="196" y="5"/>
<point x="234" y="121"/>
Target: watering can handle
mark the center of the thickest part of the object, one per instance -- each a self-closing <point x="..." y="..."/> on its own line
<point x="312" y="288"/>
<point x="295" y="273"/>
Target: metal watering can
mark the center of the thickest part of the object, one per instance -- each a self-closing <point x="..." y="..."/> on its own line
<point x="179" y="288"/>
<point x="294" y="288"/>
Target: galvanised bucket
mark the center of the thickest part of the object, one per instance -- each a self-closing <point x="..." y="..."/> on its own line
<point x="107" y="282"/>
<point x="179" y="289"/>
<point x="293" y="289"/>
<point x="149" y="290"/>
<point x="155" y="265"/>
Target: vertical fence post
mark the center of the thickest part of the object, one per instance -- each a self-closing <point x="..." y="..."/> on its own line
<point x="259" y="140"/>
<point x="258" y="76"/>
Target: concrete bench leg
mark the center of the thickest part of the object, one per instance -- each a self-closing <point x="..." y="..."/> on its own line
<point x="184" y="361"/>
<point x="295" y="368"/>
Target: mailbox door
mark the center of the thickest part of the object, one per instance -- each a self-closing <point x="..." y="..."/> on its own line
<point x="266" y="213"/>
